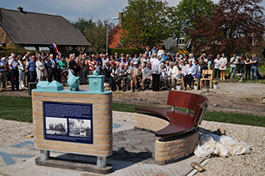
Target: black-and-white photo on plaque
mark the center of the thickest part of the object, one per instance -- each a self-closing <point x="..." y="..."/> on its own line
<point x="79" y="127"/>
<point x="56" y="126"/>
<point x="72" y="122"/>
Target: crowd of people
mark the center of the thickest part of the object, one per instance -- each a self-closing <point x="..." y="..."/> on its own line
<point x="154" y="69"/>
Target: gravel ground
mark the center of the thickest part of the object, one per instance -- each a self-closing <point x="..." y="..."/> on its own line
<point x="252" y="164"/>
<point x="12" y="132"/>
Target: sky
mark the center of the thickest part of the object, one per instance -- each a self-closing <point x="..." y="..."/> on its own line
<point x="74" y="9"/>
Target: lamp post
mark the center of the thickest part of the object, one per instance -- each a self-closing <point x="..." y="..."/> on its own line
<point x="107" y="32"/>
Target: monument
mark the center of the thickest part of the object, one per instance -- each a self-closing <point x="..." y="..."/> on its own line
<point x="76" y="122"/>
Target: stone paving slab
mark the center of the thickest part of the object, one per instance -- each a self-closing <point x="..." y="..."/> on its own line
<point x="132" y="156"/>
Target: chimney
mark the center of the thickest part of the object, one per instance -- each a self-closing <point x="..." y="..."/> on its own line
<point x="20" y="9"/>
<point x="120" y="17"/>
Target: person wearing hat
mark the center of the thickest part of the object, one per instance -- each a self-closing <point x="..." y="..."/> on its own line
<point x="2" y="74"/>
<point x="136" y="74"/>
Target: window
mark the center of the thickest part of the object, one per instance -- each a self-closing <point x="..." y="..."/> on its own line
<point x="181" y="41"/>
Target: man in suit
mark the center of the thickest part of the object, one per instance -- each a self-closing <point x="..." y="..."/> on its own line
<point x="108" y="78"/>
<point x="32" y="69"/>
<point x="51" y="65"/>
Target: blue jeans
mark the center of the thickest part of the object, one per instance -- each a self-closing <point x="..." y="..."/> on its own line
<point x="232" y="70"/>
<point x="254" y="72"/>
<point x="198" y="76"/>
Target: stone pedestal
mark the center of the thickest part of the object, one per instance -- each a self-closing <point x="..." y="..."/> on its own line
<point x="96" y="83"/>
<point x="64" y="131"/>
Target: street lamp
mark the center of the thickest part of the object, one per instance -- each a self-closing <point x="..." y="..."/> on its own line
<point x="107" y="31"/>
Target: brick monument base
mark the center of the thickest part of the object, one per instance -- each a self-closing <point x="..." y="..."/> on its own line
<point x="171" y="149"/>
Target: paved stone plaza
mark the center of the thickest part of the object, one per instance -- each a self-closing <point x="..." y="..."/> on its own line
<point x="133" y="155"/>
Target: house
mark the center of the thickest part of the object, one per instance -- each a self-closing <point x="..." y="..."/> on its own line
<point x="37" y="31"/>
<point x="116" y="34"/>
<point x="171" y="44"/>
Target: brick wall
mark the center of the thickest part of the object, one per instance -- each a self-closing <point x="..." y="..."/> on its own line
<point x="102" y="123"/>
<point x="4" y="38"/>
<point x="171" y="150"/>
<point x="175" y="149"/>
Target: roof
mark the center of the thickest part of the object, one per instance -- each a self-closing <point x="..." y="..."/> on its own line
<point x="40" y="29"/>
<point x="116" y="35"/>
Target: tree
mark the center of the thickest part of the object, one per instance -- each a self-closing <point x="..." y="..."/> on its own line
<point x="94" y="32"/>
<point x="235" y="27"/>
<point x="145" y="23"/>
<point x="82" y="25"/>
<point x="181" y="17"/>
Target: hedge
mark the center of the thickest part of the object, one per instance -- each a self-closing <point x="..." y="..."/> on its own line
<point x="6" y="51"/>
<point x="131" y="51"/>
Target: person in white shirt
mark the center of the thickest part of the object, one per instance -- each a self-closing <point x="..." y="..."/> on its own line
<point x="217" y="66"/>
<point x="174" y="75"/>
<point x="222" y="68"/>
<point x="189" y="74"/>
<point x="153" y="57"/>
<point x="160" y="52"/>
<point x="167" y="67"/>
<point x="192" y="58"/>
<point x="156" y="70"/>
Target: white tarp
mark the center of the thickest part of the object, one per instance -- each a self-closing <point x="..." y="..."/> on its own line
<point x="224" y="146"/>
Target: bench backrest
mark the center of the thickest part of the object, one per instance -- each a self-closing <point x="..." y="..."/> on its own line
<point x="207" y="72"/>
<point x="195" y="102"/>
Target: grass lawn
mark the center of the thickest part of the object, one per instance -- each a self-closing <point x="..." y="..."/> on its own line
<point x="19" y="109"/>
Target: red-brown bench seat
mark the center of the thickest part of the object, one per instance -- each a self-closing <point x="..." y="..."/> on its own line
<point x="180" y="122"/>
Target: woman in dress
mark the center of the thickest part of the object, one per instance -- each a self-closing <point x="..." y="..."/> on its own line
<point x="26" y="71"/>
<point x="222" y="68"/>
<point x="40" y="69"/>
<point x="21" y="71"/>
<point x="216" y="67"/>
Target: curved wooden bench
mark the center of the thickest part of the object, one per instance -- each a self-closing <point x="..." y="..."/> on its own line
<point x="180" y="122"/>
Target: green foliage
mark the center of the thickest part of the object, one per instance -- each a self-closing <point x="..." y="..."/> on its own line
<point x="94" y="32"/>
<point x="181" y="17"/>
<point x="145" y="23"/>
<point x="83" y="25"/>
<point x="96" y="36"/>
<point x="131" y="51"/>
<point x="231" y="29"/>
<point x="6" y="51"/>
